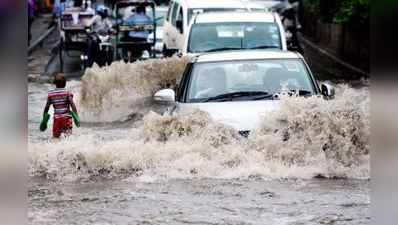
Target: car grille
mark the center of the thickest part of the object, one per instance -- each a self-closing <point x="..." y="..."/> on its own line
<point x="244" y="133"/>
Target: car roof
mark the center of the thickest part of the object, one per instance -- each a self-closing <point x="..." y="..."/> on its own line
<point x="216" y="17"/>
<point x="246" y="54"/>
<point x="240" y="4"/>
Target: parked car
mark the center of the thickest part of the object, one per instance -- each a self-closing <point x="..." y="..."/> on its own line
<point x="181" y="12"/>
<point x="238" y="87"/>
<point x="161" y="13"/>
<point x="234" y="30"/>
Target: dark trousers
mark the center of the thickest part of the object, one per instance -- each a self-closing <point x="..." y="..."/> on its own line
<point x="30" y="22"/>
<point x="92" y="49"/>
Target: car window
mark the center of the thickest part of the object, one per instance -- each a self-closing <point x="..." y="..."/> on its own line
<point x="272" y="76"/>
<point x="174" y="13"/>
<point x="243" y="35"/>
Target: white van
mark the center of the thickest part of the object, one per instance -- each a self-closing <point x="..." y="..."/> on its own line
<point x="217" y="31"/>
<point x="180" y="13"/>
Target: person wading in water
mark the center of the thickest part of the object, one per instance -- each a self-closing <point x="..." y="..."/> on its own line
<point x="64" y="108"/>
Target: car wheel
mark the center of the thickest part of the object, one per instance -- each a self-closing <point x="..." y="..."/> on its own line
<point x="167" y="52"/>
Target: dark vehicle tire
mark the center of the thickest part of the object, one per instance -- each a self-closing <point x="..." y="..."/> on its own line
<point x="109" y="57"/>
<point x="167" y="52"/>
<point x="104" y="58"/>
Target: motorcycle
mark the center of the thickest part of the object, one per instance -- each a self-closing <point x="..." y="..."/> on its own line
<point x="102" y="50"/>
<point x="105" y="54"/>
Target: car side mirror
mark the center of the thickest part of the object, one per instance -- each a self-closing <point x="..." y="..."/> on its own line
<point x="327" y="90"/>
<point x="179" y="26"/>
<point x="165" y="95"/>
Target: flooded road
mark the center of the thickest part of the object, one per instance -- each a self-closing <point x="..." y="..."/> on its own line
<point x="200" y="201"/>
<point x="129" y="165"/>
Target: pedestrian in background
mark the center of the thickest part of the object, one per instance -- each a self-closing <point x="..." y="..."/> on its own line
<point x="31" y="18"/>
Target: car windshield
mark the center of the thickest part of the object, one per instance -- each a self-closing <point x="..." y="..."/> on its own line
<point x="209" y="80"/>
<point x="206" y="37"/>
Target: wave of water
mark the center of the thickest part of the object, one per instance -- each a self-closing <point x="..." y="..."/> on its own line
<point x="111" y="93"/>
<point x="306" y="137"/>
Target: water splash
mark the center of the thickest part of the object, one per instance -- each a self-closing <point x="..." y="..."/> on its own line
<point x="306" y="137"/>
<point x="111" y="93"/>
<point x="332" y="136"/>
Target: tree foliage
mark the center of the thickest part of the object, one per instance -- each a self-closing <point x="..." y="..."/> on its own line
<point x="356" y="11"/>
<point x="340" y="11"/>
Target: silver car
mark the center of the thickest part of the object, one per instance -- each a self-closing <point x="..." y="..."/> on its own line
<point x="238" y="87"/>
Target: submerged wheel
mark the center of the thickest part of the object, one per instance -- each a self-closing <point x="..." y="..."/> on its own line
<point x="167" y="52"/>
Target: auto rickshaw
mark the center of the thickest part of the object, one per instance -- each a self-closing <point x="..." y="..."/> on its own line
<point x="130" y="49"/>
<point x="74" y="34"/>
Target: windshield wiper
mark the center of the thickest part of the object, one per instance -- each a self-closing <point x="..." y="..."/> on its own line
<point x="221" y="49"/>
<point x="257" y="95"/>
<point x="300" y="92"/>
<point x="232" y="48"/>
<point x="265" y="47"/>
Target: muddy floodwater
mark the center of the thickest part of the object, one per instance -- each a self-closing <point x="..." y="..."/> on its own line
<point x="307" y="164"/>
<point x="200" y="201"/>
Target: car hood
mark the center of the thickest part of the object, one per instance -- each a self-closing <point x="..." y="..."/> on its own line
<point x="241" y="115"/>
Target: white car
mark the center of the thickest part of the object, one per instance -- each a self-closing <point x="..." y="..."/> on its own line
<point x="161" y="13"/>
<point x="181" y="12"/>
<point x="236" y="88"/>
<point x="234" y="30"/>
